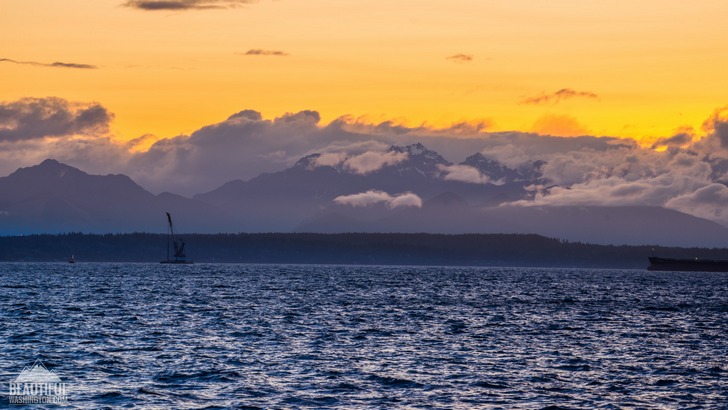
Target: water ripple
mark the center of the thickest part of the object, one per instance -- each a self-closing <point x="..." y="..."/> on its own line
<point x="267" y="336"/>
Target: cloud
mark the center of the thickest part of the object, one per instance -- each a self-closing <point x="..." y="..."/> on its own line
<point x="706" y="202"/>
<point x="460" y="58"/>
<point x="367" y="198"/>
<point x="391" y="128"/>
<point x="519" y="148"/>
<point x="34" y="129"/>
<point x="72" y="65"/>
<point x="583" y="170"/>
<point x="93" y="154"/>
<point x="240" y="147"/>
<point x="677" y="140"/>
<point x="463" y="173"/>
<point x="719" y="115"/>
<point x="685" y="176"/>
<point x="373" y="197"/>
<point x="558" y="96"/>
<point x="721" y="132"/>
<point x="33" y="118"/>
<point x="329" y="159"/>
<point x="625" y="177"/>
<point x="246" y="144"/>
<point x="406" y="199"/>
<point x="712" y="141"/>
<point x="259" y="52"/>
<point x="372" y="161"/>
<point x="362" y="163"/>
<point x="56" y="64"/>
<point x="152" y="5"/>
<point x="141" y="144"/>
<point x="76" y="133"/>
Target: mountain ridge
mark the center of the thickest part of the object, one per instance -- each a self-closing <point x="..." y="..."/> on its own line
<point x="350" y="192"/>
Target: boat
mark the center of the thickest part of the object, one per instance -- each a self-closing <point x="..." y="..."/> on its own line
<point x="695" y="265"/>
<point x="72" y="259"/>
<point x="178" y="245"/>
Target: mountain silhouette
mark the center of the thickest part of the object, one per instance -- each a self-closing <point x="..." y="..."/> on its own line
<point x="52" y="197"/>
<point x="315" y="195"/>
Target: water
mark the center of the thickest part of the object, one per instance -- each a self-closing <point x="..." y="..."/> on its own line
<point x="275" y="336"/>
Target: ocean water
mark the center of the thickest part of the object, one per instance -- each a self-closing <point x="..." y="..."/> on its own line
<point x="283" y="336"/>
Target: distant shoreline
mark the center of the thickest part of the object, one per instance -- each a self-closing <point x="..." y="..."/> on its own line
<point x="347" y="248"/>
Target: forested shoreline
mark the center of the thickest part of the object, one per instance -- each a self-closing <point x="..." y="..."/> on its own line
<point x="351" y="248"/>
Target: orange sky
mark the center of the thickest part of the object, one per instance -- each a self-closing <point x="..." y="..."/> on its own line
<point x="633" y="69"/>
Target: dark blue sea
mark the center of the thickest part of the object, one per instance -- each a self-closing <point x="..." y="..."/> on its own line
<point x="211" y="336"/>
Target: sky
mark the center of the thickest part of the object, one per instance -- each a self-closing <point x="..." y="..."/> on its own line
<point x="184" y="95"/>
<point x="638" y="69"/>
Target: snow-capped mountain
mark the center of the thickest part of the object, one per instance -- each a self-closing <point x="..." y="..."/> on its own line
<point x="500" y="173"/>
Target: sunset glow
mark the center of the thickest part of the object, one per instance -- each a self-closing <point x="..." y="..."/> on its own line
<point x="637" y="70"/>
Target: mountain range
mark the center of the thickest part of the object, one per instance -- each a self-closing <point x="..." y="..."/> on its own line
<point x="404" y="189"/>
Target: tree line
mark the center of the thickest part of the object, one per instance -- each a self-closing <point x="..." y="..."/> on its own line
<point x="346" y="248"/>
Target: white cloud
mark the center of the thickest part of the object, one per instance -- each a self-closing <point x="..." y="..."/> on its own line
<point x="362" y="163"/>
<point x="630" y="177"/>
<point x="463" y="173"/>
<point x="367" y="198"/>
<point x="371" y="161"/>
<point x="406" y="199"/>
<point x="329" y="159"/>
<point x="373" y="197"/>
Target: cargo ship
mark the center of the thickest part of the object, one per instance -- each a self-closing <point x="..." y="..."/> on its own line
<point x="695" y="265"/>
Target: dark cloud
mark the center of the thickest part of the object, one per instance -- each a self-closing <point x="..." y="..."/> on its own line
<point x="392" y="128"/>
<point x="677" y="140"/>
<point x="558" y="96"/>
<point x="250" y="115"/>
<point x="460" y="58"/>
<point x="586" y="170"/>
<point x="242" y="146"/>
<point x="307" y="118"/>
<point x="72" y="65"/>
<point x="152" y="5"/>
<point x="259" y="52"/>
<point x="57" y="64"/>
<point x="721" y="132"/>
<point x="246" y="144"/>
<point x="33" y="118"/>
